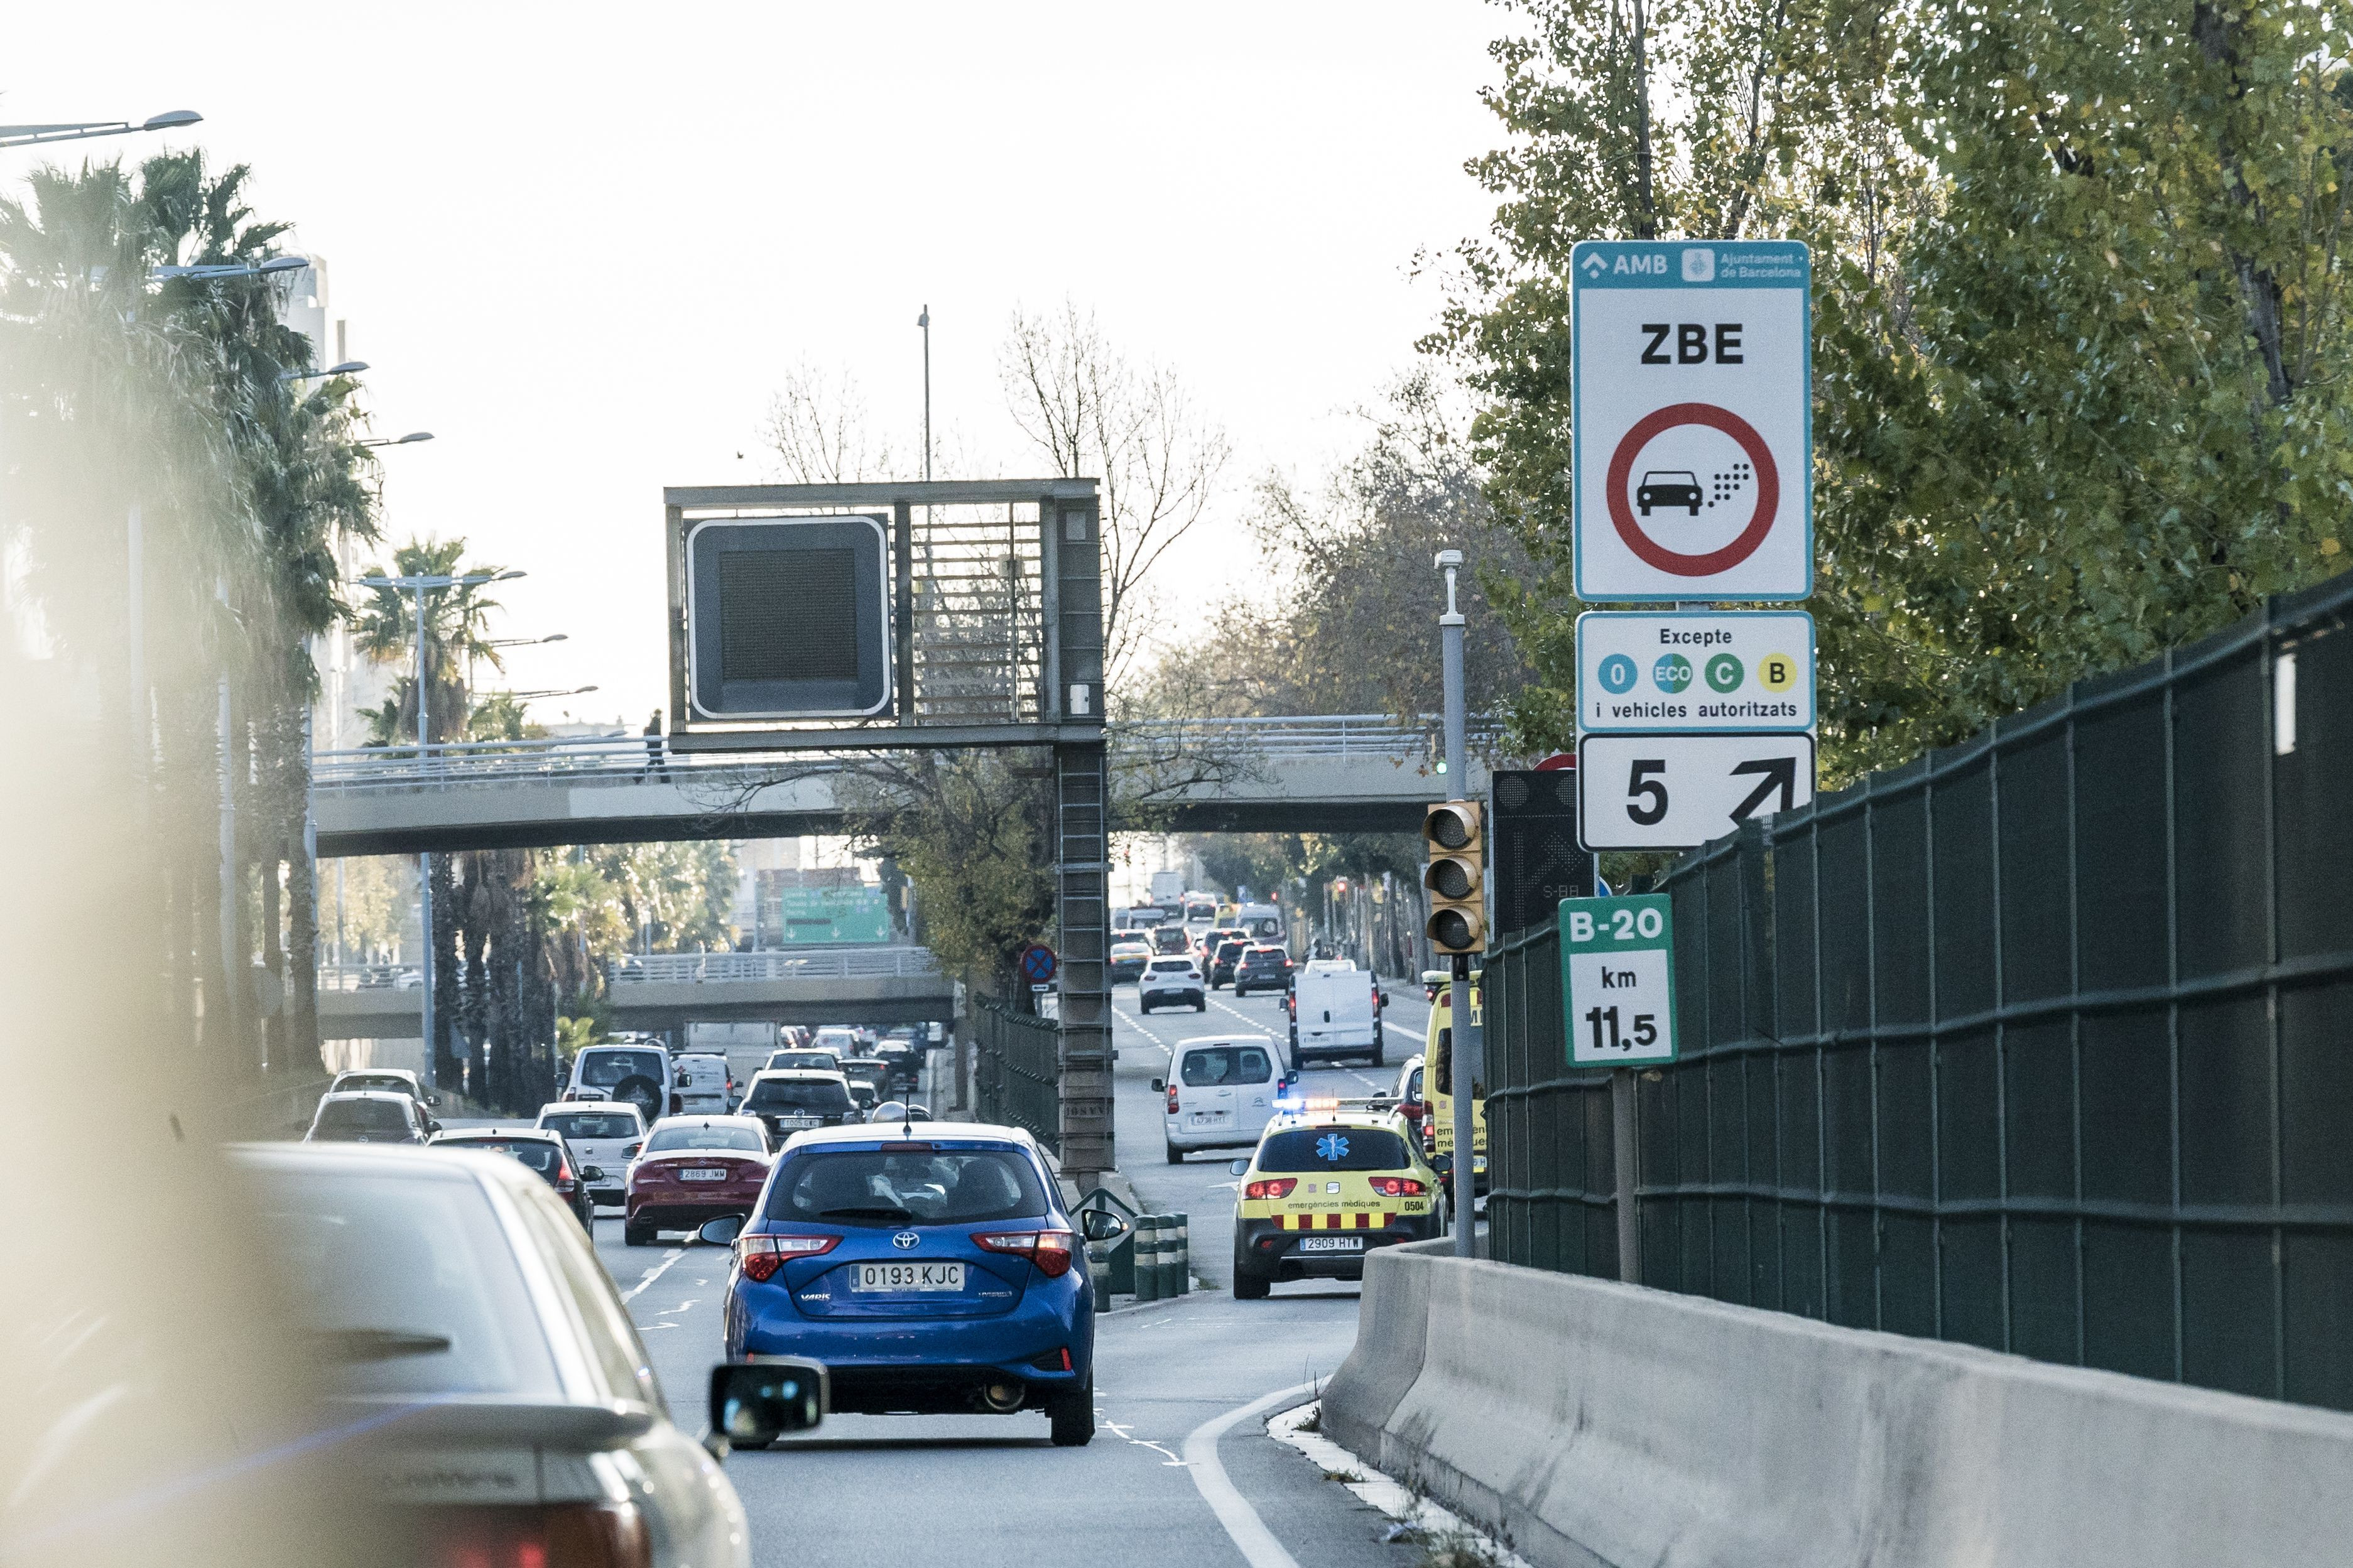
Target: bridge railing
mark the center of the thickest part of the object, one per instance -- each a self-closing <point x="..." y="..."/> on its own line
<point x="722" y="968"/>
<point x="624" y="758"/>
<point x="370" y="977"/>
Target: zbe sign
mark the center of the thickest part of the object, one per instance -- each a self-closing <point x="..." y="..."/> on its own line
<point x="1691" y="414"/>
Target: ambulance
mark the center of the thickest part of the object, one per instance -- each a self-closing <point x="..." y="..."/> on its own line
<point x="1438" y="1082"/>
<point x="1328" y="1183"/>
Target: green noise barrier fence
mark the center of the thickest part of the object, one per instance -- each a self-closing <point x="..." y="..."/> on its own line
<point x="2042" y="1042"/>
<point x="1018" y="1070"/>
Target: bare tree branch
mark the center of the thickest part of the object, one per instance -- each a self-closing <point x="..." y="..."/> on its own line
<point x="818" y="428"/>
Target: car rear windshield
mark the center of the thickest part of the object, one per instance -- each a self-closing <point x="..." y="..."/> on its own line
<point x="925" y="1186"/>
<point x="1229" y="949"/>
<point x="744" y="1138"/>
<point x="606" y="1069"/>
<point x="376" y="1082"/>
<point x="539" y="1156"/>
<point x="1333" y="1148"/>
<point x="362" y="1116"/>
<point x="590" y="1124"/>
<point x="1204" y="1067"/>
<point x="407" y="1283"/>
<point x="1172" y="966"/>
<point x="1259" y="957"/>
<point x="797" y="1094"/>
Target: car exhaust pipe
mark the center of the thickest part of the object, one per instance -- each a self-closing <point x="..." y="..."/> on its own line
<point x="1002" y="1397"/>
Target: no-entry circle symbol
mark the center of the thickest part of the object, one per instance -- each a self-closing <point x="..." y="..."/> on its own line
<point x="1679" y="563"/>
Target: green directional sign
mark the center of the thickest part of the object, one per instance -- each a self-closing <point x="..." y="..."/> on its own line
<point x="821" y="917"/>
<point x="1618" y="980"/>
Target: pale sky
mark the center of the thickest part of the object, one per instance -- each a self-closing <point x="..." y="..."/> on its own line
<point x="580" y="243"/>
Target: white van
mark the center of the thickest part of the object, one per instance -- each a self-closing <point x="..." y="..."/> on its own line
<point x="1335" y="1011"/>
<point x="705" y="1084"/>
<point x="604" y="1135"/>
<point x="1221" y="1092"/>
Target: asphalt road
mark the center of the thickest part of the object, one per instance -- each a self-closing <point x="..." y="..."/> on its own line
<point x="986" y="1490"/>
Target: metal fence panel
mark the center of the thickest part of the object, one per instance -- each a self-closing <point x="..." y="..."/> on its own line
<point x="2037" y="1043"/>
<point x="1018" y="1070"/>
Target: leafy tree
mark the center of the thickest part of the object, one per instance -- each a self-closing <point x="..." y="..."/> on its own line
<point x="2079" y="343"/>
<point x="457" y="638"/>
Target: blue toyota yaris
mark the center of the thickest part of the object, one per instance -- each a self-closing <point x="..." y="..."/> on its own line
<point x="931" y="1266"/>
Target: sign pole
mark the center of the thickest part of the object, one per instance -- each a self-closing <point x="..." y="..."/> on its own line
<point x="1464" y="1078"/>
<point x="1621" y="1139"/>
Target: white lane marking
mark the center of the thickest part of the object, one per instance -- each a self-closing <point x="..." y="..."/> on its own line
<point x="1248" y="1532"/>
<point x="1120" y="1432"/>
<point x="1417" y="1513"/>
<point x="653" y="1274"/>
<point x="681" y="1307"/>
<point x="649" y="1328"/>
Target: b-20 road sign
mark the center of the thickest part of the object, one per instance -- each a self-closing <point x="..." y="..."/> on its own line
<point x="1677" y="792"/>
<point x="1692" y="419"/>
<point x="1618" y="980"/>
<point x="1717" y="670"/>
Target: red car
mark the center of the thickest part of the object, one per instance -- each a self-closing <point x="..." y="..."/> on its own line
<point x="694" y="1169"/>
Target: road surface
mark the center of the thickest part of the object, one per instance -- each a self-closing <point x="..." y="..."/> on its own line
<point x="984" y="1491"/>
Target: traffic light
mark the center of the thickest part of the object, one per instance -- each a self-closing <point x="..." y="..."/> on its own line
<point x="1455" y="877"/>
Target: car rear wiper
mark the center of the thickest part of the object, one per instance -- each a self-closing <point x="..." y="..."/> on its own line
<point x="874" y="1211"/>
<point x="379" y="1345"/>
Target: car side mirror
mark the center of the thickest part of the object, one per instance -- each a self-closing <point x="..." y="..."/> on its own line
<point x="1239" y="1167"/>
<point x="630" y="1151"/>
<point x="721" y="1232"/>
<point x="591" y="1172"/>
<point x="432" y="1100"/>
<point x="1102" y="1224"/>
<point x="755" y="1403"/>
<point x="1159" y="1086"/>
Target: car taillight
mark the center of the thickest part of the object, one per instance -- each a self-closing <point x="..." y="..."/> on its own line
<point x="572" y="1534"/>
<point x="1397" y="1187"/>
<point x="1050" y="1250"/>
<point x="761" y="1256"/>
<point x="1172" y="1099"/>
<point x="1273" y="1187"/>
<point x="564" y="1181"/>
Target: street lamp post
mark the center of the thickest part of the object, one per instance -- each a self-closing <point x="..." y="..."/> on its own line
<point x="81" y="130"/>
<point x="924" y="321"/>
<point x="419" y="582"/>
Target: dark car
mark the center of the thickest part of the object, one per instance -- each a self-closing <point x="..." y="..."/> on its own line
<point x="1128" y="959"/>
<point x="1668" y="487"/>
<point x="545" y="1153"/>
<point x="791" y="1102"/>
<point x="902" y="1059"/>
<point x="1221" y="966"/>
<point x="1264" y="967"/>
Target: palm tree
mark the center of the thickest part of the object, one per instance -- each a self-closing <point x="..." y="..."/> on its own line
<point x="456" y="635"/>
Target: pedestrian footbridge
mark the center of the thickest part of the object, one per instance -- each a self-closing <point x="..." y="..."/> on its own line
<point x="1344" y="773"/>
<point x="658" y="991"/>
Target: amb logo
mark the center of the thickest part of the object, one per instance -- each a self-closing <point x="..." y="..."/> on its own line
<point x="1626" y="265"/>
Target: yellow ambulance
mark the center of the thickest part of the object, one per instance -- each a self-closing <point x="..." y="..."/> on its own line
<point x="1328" y="1183"/>
<point x="1437" y="1084"/>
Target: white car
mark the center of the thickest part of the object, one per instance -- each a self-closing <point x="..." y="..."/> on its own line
<point x="487" y="1374"/>
<point x="1221" y="1091"/>
<point x="1335" y="1011"/>
<point x="1171" y="983"/>
<point x="630" y="1070"/>
<point x="389" y="1080"/>
<point x="605" y="1135"/>
<point x="705" y="1084"/>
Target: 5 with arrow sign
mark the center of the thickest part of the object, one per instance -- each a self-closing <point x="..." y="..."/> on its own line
<point x="1677" y="792"/>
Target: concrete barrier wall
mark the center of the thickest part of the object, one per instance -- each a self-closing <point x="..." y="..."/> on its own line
<point x="1593" y="1422"/>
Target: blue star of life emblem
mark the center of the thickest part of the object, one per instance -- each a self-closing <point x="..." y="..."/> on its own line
<point x="1332" y="1146"/>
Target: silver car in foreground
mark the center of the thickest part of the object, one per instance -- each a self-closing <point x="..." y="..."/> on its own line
<point x="486" y="1378"/>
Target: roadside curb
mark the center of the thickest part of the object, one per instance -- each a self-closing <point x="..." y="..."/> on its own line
<point x="1377" y="1491"/>
<point x="1198" y="1293"/>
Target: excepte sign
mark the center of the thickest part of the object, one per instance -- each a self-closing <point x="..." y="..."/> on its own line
<point x="1692" y="419"/>
<point x="1618" y="980"/>
<point x="1723" y="671"/>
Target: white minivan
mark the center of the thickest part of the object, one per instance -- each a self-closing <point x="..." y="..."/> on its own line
<point x="705" y="1085"/>
<point x="1221" y="1092"/>
<point x="1335" y="1011"/>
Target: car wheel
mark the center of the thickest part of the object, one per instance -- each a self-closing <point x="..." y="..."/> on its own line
<point x="1071" y="1416"/>
<point x="1249" y="1286"/>
<point x="737" y="1443"/>
<point x="1200" y="1007"/>
<point x="635" y="1234"/>
<point x="1176" y="1155"/>
<point x="1376" y="1053"/>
